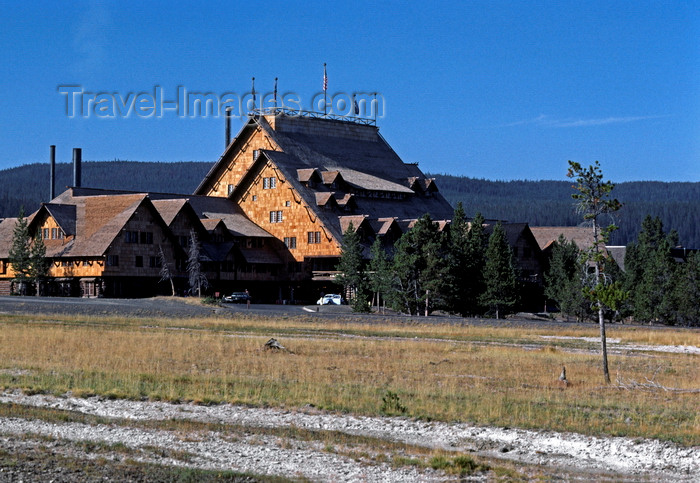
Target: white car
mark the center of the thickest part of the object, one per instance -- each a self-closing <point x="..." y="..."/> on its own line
<point x="330" y="299"/>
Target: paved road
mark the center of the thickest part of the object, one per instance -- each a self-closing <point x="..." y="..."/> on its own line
<point x="176" y="307"/>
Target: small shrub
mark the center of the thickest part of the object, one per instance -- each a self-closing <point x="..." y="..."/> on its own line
<point x="461" y="465"/>
<point x="209" y="300"/>
<point x="391" y="404"/>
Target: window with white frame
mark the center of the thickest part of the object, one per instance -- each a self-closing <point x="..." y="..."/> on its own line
<point x="276" y="216"/>
<point x="314" y="237"/>
<point x="290" y="241"/>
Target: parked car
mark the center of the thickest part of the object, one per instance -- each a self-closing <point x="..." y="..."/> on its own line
<point x="236" y="298"/>
<point x="331" y="299"/>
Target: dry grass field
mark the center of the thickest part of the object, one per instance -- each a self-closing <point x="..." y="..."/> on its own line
<point x="484" y="375"/>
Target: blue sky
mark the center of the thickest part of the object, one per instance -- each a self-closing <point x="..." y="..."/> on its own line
<point x="487" y="89"/>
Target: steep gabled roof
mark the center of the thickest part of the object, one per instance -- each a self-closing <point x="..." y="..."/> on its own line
<point x="169" y="209"/>
<point x="239" y="225"/>
<point x="64" y="216"/>
<point x="382" y="226"/>
<point x="514" y="231"/>
<point x="7" y="228"/>
<point x="546" y="235"/>
<point x="325" y="198"/>
<point x="358" y="221"/>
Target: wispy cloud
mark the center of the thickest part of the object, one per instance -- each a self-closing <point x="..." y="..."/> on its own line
<point x="546" y="121"/>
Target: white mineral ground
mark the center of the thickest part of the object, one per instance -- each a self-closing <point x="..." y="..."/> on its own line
<point x="264" y="454"/>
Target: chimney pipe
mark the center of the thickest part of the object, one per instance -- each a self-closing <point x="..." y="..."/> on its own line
<point x="77" y="160"/>
<point x="228" y="127"/>
<point x="52" y="178"/>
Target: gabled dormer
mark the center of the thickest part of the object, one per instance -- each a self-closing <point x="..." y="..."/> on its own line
<point x="310" y="177"/>
<point x="334" y="181"/>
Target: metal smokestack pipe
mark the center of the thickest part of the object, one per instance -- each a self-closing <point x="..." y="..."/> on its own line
<point x="77" y="160"/>
<point x="52" y="178"/>
<point x="228" y="126"/>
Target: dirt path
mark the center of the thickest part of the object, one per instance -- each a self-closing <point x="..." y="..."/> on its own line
<point x="264" y="454"/>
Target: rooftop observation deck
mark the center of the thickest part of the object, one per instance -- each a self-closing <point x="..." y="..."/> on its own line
<point x="284" y="111"/>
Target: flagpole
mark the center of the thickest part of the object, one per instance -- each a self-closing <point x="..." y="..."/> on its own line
<point x="375" y="108"/>
<point x="253" y="92"/>
<point x="275" y="94"/>
<point x="325" y="88"/>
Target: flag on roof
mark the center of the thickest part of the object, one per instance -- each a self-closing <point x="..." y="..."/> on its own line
<point x="325" y="78"/>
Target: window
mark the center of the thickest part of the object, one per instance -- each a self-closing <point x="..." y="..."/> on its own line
<point x="231" y="187"/>
<point x="290" y="241"/>
<point x="314" y="237"/>
<point x="54" y="233"/>
<point x="112" y="260"/>
<point x="276" y="216"/>
<point x="255" y="197"/>
<point x="269" y="183"/>
<point x="60" y="234"/>
<point x="44" y="234"/>
<point x="256" y="153"/>
<point x="154" y="262"/>
<point x="139" y="261"/>
<point x="146" y="237"/>
<point x="287" y="203"/>
<point x="131" y="237"/>
<point x="3" y="267"/>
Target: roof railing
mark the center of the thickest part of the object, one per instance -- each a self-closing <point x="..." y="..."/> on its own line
<point x="276" y="111"/>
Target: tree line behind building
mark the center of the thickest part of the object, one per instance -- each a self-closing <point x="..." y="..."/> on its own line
<point x="539" y="203"/>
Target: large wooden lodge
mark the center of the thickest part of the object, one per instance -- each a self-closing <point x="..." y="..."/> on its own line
<point x="269" y="215"/>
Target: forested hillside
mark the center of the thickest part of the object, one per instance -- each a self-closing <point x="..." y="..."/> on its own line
<point x="29" y="185"/>
<point x="549" y="203"/>
<point x="539" y="203"/>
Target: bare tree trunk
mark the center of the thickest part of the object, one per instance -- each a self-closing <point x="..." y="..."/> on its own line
<point x="603" y="344"/>
<point x="601" y="322"/>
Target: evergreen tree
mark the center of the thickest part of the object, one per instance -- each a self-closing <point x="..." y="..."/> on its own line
<point x="563" y="279"/>
<point x="650" y="273"/>
<point x="420" y="269"/>
<point x="593" y="201"/>
<point x="380" y="275"/>
<point x="458" y="276"/>
<point x="686" y="292"/>
<point x="501" y="292"/>
<point x="351" y="268"/>
<point x="197" y="279"/>
<point x="165" y="273"/>
<point x="475" y="285"/>
<point x="19" y="255"/>
<point x="38" y="264"/>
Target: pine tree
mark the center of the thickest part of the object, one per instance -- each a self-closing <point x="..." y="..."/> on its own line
<point x="19" y="255"/>
<point x="165" y="273"/>
<point x="457" y="263"/>
<point x="563" y="279"/>
<point x="593" y="201"/>
<point x="38" y="264"/>
<point x="420" y="269"/>
<point x="650" y="273"/>
<point x="351" y="268"/>
<point x="197" y="279"/>
<point x="475" y="285"/>
<point x="686" y="292"/>
<point x="501" y="293"/>
<point x="380" y="275"/>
